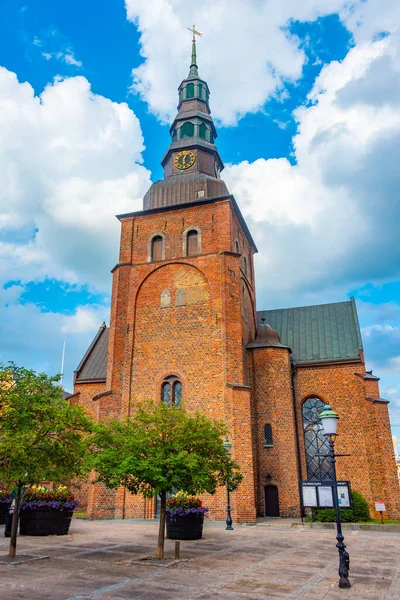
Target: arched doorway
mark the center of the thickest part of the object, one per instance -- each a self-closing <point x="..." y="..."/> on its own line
<point x="271" y="501"/>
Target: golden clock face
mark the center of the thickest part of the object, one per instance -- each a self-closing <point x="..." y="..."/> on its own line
<point x="184" y="159"/>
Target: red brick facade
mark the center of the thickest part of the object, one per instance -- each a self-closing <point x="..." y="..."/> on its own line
<point x="203" y="342"/>
<point x="195" y="317"/>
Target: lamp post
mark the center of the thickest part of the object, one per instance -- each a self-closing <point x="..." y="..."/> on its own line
<point x="228" y="448"/>
<point x="329" y="419"/>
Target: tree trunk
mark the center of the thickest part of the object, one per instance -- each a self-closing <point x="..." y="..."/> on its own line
<point x="161" y="531"/>
<point x="14" y="526"/>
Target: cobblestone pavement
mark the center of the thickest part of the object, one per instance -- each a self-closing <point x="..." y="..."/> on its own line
<point x="102" y="560"/>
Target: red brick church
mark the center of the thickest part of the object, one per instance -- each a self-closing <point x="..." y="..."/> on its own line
<point x="184" y="329"/>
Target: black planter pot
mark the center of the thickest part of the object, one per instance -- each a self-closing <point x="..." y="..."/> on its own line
<point x="45" y="521"/>
<point x="4" y="509"/>
<point x="185" y="528"/>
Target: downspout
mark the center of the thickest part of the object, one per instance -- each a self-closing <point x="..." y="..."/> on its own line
<point x="293" y="370"/>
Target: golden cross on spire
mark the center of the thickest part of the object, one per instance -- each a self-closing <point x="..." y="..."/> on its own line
<point x="195" y="33"/>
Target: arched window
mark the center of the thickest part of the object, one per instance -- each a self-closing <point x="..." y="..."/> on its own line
<point x="180" y="299"/>
<point x="237" y="249"/>
<point x="157" y="248"/>
<point x="268" y="441"/>
<point x="319" y="467"/>
<point x="245" y="265"/>
<point x="187" y="130"/>
<point x="202" y="131"/>
<point x="171" y="391"/>
<point x="165" y="299"/>
<point x="190" y="90"/>
<point x="192" y="243"/>
<point x="211" y="137"/>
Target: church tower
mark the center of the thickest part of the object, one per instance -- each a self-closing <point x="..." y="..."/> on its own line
<point x="183" y="303"/>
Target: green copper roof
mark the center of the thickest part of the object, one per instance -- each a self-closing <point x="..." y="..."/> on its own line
<point x="318" y="333"/>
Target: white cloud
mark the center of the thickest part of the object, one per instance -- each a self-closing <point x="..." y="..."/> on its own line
<point x="54" y="46"/>
<point x="69" y="161"/>
<point x="246" y="52"/>
<point x="330" y="221"/>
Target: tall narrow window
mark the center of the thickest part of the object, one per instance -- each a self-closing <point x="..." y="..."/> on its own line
<point x="237" y="249"/>
<point x="190" y="90"/>
<point x="245" y="265"/>
<point x="202" y="131"/>
<point x="192" y="242"/>
<point x="319" y="467"/>
<point x="157" y="248"/>
<point x="201" y="91"/>
<point x="268" y="441"/>
<point x="171" y="391"/>
<point x="187" y="130"/>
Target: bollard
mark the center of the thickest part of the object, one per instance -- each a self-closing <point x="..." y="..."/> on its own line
<point x="177" y="549"/>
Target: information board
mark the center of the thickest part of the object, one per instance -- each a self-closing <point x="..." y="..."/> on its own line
<point x="319" y="494"/>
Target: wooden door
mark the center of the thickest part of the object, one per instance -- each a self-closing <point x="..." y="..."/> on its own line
<point x="271" y="501"/>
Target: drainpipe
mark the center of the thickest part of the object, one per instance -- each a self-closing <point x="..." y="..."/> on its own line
<point x="293" y="369"/>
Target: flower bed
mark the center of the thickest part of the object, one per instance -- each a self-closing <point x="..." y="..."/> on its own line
<point x="185" y="517"/>
<point x="46" y="512"/>
<point x="5" y="502"/>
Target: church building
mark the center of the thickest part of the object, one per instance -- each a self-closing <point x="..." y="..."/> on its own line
<point x="184" y="329"/>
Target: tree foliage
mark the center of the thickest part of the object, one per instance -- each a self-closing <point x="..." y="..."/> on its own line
<point x="42" y="437"/>
<point x="162" y="449"/>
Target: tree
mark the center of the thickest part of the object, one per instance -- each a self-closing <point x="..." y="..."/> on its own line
<point x="160" y="449"/>
<point x="42" y="437"/>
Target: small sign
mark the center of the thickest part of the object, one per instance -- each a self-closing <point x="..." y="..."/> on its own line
<point x="325" y="496"/>
<point x="379" y="506"/>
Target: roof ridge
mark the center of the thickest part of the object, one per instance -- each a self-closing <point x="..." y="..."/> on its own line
<point x="351" y="301"/>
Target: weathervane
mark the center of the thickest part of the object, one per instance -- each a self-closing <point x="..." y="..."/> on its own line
<point x="195" y="33"/>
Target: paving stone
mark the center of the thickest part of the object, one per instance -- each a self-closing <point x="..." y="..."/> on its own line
<point x="99" y="560"/>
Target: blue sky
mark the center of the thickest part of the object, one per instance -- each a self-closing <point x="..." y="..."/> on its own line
<point x="307" y="105"/>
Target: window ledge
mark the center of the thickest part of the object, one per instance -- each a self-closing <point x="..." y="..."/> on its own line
<point x="268" y="445"/>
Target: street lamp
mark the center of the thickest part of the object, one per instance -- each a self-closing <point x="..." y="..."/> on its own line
<point x="228" y="448"/>
<point x="329" y="419"/>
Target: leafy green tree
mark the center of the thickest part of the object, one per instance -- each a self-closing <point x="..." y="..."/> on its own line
<point x="161" y="449"/>
<point x="42" y="437"/>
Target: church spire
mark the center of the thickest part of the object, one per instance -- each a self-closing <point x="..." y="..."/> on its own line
<point x="193" y="73"/>
<point x="193" y="65"/>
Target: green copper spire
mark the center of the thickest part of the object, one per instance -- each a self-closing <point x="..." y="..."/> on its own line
<point x="193" y="65"/>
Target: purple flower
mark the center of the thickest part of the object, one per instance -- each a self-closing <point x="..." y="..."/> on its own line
<point x="184" y="512"/>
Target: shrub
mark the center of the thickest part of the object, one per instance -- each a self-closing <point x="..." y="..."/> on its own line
<point x="38" y="497"/>
<point x="359" y="514"/>
<point x="360" y="508"/>
<point x="182" y="504"/>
